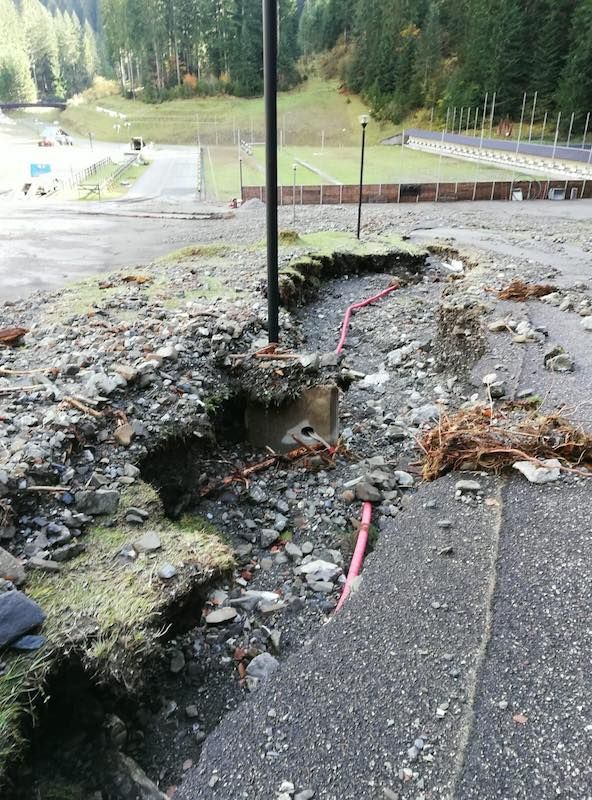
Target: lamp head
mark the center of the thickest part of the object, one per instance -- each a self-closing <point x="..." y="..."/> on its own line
<point x="364" y="120"/>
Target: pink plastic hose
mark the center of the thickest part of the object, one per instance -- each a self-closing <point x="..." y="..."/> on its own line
<point x="354" y="307"/>
<point x="359" y="552"/>
<point x="362" y="540"/>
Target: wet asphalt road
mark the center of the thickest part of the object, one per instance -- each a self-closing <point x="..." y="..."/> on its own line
<point x="45" y="248"/>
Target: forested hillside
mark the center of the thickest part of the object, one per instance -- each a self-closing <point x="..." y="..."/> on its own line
<point x="401" y="55"/>
<point x="44" y="53"/>
<point x="178" y="48"/>
<point x="405" y="54"/>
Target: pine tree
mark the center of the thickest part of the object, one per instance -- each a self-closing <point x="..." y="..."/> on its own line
<point x="16" y="82"/>
<point x="575" y="89"/>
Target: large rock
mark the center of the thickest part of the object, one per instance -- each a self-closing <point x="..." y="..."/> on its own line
<point x="129" y="781"/>
<point x="546" y="471"/>
<point x="11" y="568"/>
<point x="103" y="501"/>
<point x="366" y="492"/>
<point x="148" y="542"/>
<point x="262" y="666"/>
<point x="18" y="615"/>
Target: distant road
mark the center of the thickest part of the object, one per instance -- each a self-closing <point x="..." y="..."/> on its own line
<point x="172" y="175"/>
<point x="45" y="246"/>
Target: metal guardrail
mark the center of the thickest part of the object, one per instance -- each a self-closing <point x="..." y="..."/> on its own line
<point x="79" y="177"/>
<point x="119" y="171"/>
<point x="97" y="188"/>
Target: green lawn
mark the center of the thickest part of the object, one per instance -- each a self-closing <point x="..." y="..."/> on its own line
<point x="118" y="188"/>
<point x="383" y="164"/>
<point x="306" y="112"/>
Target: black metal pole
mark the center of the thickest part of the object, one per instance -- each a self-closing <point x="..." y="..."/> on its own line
<point x="270" y="26"/>
<point x="361" y="177"/>
<point x="240" y="169"/>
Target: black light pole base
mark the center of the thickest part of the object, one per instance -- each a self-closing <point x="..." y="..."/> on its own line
<point x="270" y="28"/>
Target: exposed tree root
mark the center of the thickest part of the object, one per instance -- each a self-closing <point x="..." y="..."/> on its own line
<point x="520" y="291"/>
<point x="482" y="439"/>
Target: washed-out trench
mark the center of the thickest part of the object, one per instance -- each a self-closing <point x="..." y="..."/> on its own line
<point x="82" y="724"/>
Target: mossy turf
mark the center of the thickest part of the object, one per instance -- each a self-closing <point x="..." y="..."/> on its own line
<point x="107" y="609"/>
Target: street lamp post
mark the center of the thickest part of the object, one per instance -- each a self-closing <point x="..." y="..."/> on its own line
<point x="293" y="194"/>
<point x="270" y="44"/>
<point x="363" y="123"/>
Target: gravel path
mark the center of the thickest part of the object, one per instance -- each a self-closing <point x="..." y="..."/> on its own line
<point x="460" y="668"/>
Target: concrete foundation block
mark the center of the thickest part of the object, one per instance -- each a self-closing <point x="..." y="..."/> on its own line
<point x="284" y="427"/>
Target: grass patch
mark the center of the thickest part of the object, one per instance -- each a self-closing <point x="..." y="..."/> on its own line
<point x="304" y="113"/>
<point x="288" y="237"/>
<point x="110" y="611"/>
<point x="80" y="298"/>
<point x="117" y="188"/>
<point x="195" y="251"/>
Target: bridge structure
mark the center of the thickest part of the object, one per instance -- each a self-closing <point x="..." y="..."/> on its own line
<point x="13" y="106"/>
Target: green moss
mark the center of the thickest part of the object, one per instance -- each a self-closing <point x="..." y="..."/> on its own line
<point x="195" y="251"/>
<point x="288" y="237"/>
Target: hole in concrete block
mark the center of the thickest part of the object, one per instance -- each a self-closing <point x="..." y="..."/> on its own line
<point x="311" y="417"/>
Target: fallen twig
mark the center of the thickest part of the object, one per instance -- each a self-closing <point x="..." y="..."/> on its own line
<point x="22" y="372"/>
<point x="48" y="489"/>
<point x="34" y="387"/>
<point x="71" y="401"/>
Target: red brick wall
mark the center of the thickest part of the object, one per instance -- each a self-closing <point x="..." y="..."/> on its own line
<point x="418" y="192"/>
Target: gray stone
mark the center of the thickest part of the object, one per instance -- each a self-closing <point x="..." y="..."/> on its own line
<point x="43" y="564"/>
<point x="366" y="492"/>
<point x="166" y="572"/>
<point x="262" y="666"/>
<point x="293" y="551"/>
<point x="471" y="487"/>
<point x="103" y="501"/>
<point x="148" y="542"/>
<point x="413" y="753"/>
<point x="424" y="414"/>
<point x="268" y="536"/>
<point x="177" y="662"/>
<point x="130" y="782"/>
<point x="251" y="599"/>
<point x="221" y="616"/>
<point x="130" y="471"/>
<point x="547" y="471"/>
<point x="319" y="570"/>
<point x="560" y="363"/>
<point x="404" y="479"/>
<point x="11" y="568"/>
<point x="29" y="643"/>
<point x="257" y="494"/>
<point x="18" y="615"/>
<point x="305" y="794"/>
<point x="497" y="389"/>
<point x="323" y="587"/>
<point x="68" y="551"/>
